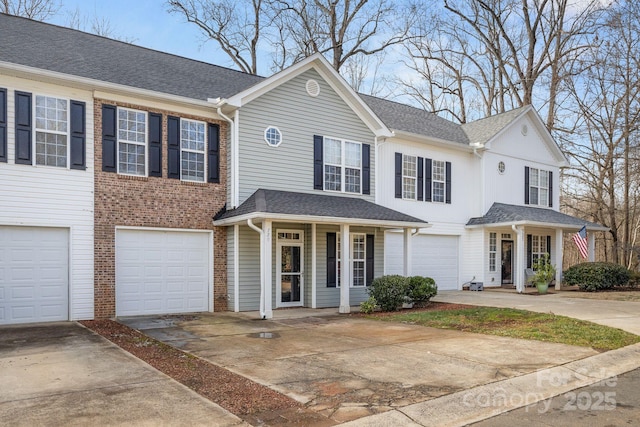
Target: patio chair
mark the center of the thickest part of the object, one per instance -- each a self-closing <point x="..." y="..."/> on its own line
<point x="528" y="276"/>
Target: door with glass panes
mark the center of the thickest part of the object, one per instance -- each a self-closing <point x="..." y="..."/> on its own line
<point x="289" y="264"/>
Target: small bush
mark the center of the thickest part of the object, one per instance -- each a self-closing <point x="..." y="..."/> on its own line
<point x="389" y="291"/>
<point x="634" y="279"/>
<point x="368" y="306"/>
<point x="596" y="276"/>
<point x="421" y="289"/>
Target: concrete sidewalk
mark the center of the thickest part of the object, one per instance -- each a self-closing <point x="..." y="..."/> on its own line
<point x="617" y="314"/>
<point x="62" y="374"/>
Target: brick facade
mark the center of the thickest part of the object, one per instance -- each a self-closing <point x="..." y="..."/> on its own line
<point x="154" y="202"/>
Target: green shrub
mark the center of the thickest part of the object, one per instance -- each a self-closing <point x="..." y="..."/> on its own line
<point x="634" y="279"/>
<point x="368" y="306"/>
<point x="421" y="289"/>
<point x="389" y="291"/>
<point x="596" y="276"/>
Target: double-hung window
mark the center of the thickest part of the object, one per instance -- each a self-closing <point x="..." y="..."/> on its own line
<point x="51" y="131"/>
<point x="358" y="249"/>
<point x="409" y="177"/>
<point x="342" y="166"/>
<point x="439" y="181"/>
<point x="132" y="142"/>
<point x="538" y="247"/>
<point x="192" y="145"/>
<point x="538" y="187"/>
<point x="493" y="249"/>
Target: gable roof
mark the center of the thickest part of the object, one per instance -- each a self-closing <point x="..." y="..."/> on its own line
<point x="63" y="50"/>
<point x="482" y="131"/>
<point x="501" y="214"/>
<point x="291" y="206"/>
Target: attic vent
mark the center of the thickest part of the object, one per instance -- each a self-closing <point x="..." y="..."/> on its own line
<point x="524" y="130"/>
<point x="313" y="88"/>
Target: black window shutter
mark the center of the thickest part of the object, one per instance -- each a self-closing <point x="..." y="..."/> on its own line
<point x="366" y="169"/>
<point x="155" y="144"/>
<point x="173" y="147"/>
<point x="3" y="125"/>
<point x="78" y="136"/>
<point x="398" y="175"/>
<point x="214" y="153"/>
<point x="526" y="185"/>
<point x="369" y="248"/>
<point x="331" y="260"/>
<point x="550" y="189"/>
<point x="420" y="189"/>
<point x="427" y="179"/>
<point x="447" y="184"/>
<point x="23" y="128"/>
<point x="529" y="250"/>
<point x="318" y="173"/>
<point x="109" y="140"/>
<point x="549" y="245"/>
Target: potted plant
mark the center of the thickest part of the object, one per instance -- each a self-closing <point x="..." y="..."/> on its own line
<point x="544" y="273"/>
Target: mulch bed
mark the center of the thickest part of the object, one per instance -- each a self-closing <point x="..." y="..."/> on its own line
<point x="431" y="306"/>
<point x="233" y="392"/>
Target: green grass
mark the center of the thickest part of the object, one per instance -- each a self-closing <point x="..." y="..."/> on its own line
<point x="522" y="324"/>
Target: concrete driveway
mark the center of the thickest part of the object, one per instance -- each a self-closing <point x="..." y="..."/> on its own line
<point x="346" y="367"/>
<point x="62" y="374"/>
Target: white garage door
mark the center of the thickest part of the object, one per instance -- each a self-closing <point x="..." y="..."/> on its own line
<point x="433" y="256"/>
<point x="34" y="274"/>
<point x="161" y="272"/>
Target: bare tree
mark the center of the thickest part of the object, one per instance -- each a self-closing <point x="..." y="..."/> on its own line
<point x="236" y="25"/>
<point x="100" y="26"/>
<point x="39" y="10"/>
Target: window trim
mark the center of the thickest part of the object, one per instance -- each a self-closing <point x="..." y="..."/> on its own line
<point x="542" y="241"/>
<point x="493" y="251"/>
<point x="538" y="187"/>
<point x="204" y="151"/>
<point x="351" y="259"/>
<point x="342" y="165"/>
<point x="434" y="181"/>
<point x="146" y="141"/>
<point x="35" y="130"/>
<point x="408" y="177"/>
<point x="266" y="138"/>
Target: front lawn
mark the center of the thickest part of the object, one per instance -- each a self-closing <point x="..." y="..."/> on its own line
<point x="522" y="324"/>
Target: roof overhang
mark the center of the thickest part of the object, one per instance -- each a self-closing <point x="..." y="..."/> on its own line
<point x="565" y="227"/>
<point x="414" y="137"/>
<point x="309" y="219"/>
<point x="329" y="74"/>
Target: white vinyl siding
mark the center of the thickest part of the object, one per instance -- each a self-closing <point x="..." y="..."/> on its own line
<point x="51" y="131"/>
<point x="132" y="142"/>
<point x="54" y="197"/>
<point x="409" y="177"/>
<point x="299" y="117"/>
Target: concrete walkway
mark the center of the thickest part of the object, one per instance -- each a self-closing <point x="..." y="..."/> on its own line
<point x="62" y="374"/>
<point x="617" y="314"/>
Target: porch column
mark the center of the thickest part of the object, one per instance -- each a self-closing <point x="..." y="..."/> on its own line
<point x="520" y="258"/>
<point x="407" y="253"/>
<point x="314" y="266"/>
<point x="591" y="239"/>
<point x="268" y="263"/>
<point x="345" y="269"/>
<point x="559" y="258"/>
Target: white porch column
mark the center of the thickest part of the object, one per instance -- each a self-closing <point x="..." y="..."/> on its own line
<point x="345" y="269"/>
<point x="559" y="258"/>
<point x="591" y="239"/>
<point x="407" y="253"/>
<point x="314" y="266"/>
<point x="520" y="258"/>
<point x="268" y="262"/>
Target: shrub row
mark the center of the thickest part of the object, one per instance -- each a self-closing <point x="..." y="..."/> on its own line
<point x="597" y="276"/>
<point x="390" y="292"/>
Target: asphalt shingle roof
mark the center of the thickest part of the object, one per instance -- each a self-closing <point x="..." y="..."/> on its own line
<point x="291" y="203"/>
<point x="500" y="213"/>
<point x="481" y="131"/>
<point x="54" y="48"/>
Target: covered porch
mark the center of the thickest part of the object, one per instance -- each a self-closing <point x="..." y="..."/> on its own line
<point x="288" y="249"/>
<point x="514" y="237"/>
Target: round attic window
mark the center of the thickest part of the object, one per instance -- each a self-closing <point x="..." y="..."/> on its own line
<point x="273" y="136"/>
<point x="501" y="167"/>
<point x="313" y="88"/>
<point x="524" y="130"/>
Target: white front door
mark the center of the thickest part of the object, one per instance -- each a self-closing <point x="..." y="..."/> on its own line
<point x="289" y="264"/>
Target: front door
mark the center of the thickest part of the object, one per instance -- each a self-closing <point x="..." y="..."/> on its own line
<point x="289" y="285"/>
<point x="507" y="262"/>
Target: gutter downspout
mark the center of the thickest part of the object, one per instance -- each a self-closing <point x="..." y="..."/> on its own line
<point x="232" y="154"/>
<point x="263" y="314"/>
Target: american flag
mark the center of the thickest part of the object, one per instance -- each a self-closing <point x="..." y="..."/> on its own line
<point x="580" y="239"/>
